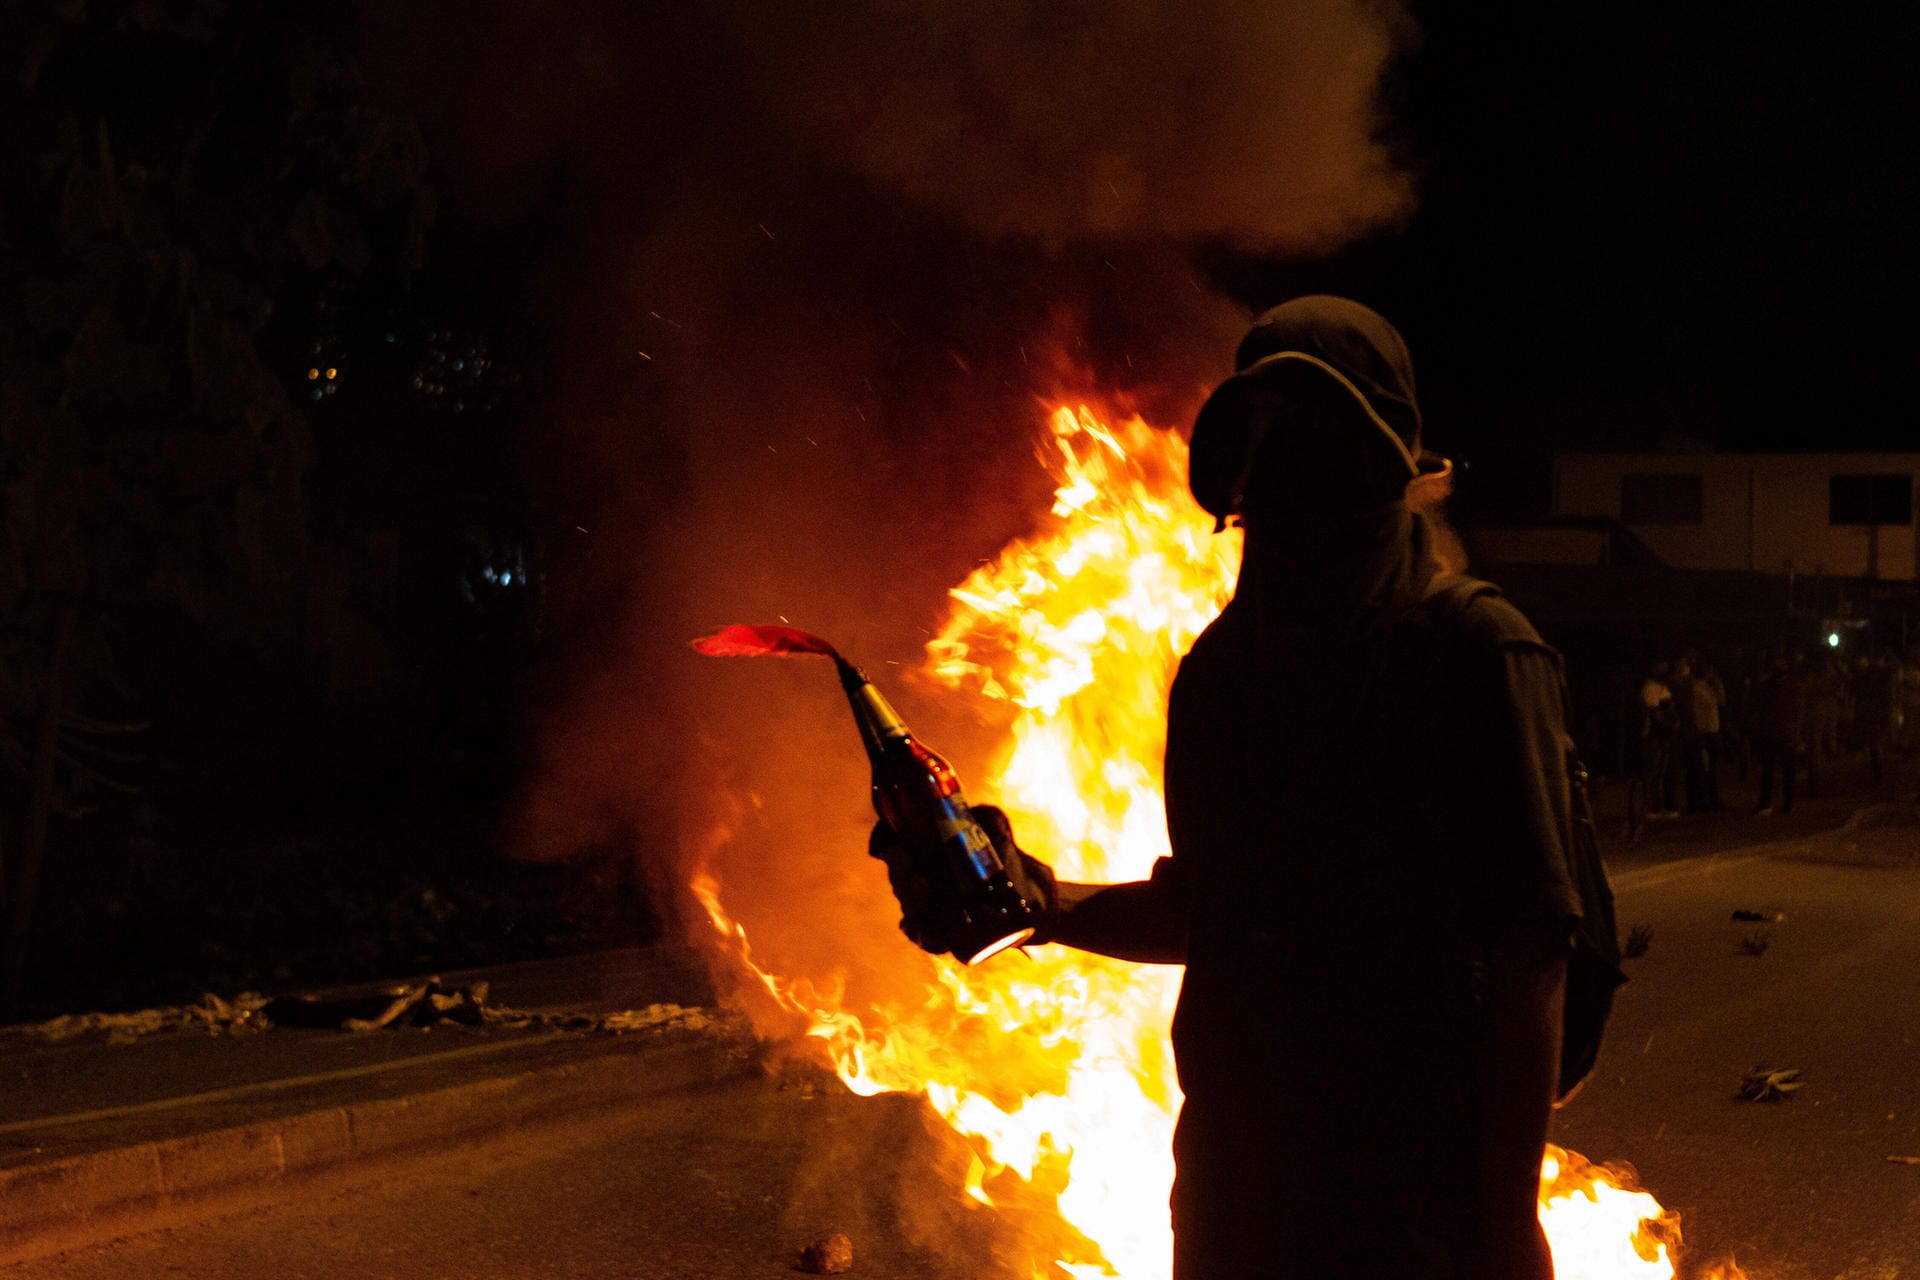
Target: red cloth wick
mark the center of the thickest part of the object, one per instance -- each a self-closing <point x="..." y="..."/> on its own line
<point x="742" y="641"/>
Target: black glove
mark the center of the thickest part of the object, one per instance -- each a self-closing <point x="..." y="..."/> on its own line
<point x="1032" y="879"/>
<point x="931" y="912"/>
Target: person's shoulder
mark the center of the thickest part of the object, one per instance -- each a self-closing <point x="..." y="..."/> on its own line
<point x="1483" y="616"/>
<point x="1209" y="652"/>
<point x="1214" y="638"/>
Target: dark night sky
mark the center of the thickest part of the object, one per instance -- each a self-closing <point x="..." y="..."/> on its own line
<point x="1649" y="224"/>
<point x="1687" y="206"/>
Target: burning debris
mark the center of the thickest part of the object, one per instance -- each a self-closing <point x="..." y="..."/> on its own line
<point x="827" y="1256"/>
<point x="1065" y="1089"/>
<point x="418" y="1005"/>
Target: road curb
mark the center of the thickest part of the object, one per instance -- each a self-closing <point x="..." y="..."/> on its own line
<point x="87" y="1198"/>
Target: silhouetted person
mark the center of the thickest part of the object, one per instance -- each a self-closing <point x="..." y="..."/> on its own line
<point x="1822" y="694"/>
<point x="1779" y="718"/>
<point x="1659" y="735"/>
<point x="1706" y="696"/>
<point x="1876" y="691"/>
<point x="1369" y="882"/>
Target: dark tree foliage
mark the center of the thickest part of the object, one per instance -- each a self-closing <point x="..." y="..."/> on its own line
<point x="172" y="173"/>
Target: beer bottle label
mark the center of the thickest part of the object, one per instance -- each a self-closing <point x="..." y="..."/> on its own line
<point x="965" y="837"/>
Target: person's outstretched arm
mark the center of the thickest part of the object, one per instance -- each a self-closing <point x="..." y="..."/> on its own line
<point x="1143" y="920"/>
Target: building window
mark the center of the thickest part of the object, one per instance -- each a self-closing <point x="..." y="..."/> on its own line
<point x="1660" y="499"/>
<point x="1870" y="500"/>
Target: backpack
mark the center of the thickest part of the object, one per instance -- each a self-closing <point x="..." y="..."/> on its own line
<point x="1593" y="966"/>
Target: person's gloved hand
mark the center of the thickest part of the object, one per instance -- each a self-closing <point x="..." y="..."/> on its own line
<point x="1032" y="879"/>
<point x="930" y="910"/>
<point x="931" y="914"/>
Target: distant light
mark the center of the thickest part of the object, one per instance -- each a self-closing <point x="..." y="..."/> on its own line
<point x="312" y="374"/>
<point x="1833" y="639"/>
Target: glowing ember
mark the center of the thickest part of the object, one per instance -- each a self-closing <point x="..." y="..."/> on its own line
<point x="1057" y="1068"/>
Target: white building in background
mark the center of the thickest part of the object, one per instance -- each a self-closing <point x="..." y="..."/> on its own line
<point x="1840" y="514"/>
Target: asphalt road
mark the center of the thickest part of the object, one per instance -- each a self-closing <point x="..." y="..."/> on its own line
<point x="724" y="1182"/>
<point x="731" y="1180"/>
<point x="1799" y="1189"/>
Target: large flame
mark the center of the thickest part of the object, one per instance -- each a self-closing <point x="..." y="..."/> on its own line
<point x="1056" y="1067"/>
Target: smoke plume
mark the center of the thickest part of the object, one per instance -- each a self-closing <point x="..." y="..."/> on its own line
<point x="1252" y="123"/>
<point x="810" y="269"/>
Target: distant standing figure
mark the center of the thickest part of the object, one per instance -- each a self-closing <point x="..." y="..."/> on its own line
<point x="1822" y="694"/>
<point x="1659" y="723"/>
<point x="1876" y="689"/>
<point x="1778" y="716"/>
<point x="1708" y="696"/>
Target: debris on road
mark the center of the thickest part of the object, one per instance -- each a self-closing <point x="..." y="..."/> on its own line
<point x="1639" y="938"/>
<point x="1755" y="943"/>
<point x="211" y="1014"/>
<point x="827" y="1256"/>
<point x="1777" y="917"/>
<point x="1770" y="1084"/>
<point x="429" y="1003"/>
<point x="1903" y="1159"/>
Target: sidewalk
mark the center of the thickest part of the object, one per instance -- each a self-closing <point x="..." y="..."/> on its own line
<point x="101" y="1138"/>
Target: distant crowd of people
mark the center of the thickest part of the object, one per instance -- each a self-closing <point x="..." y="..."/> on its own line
<point x="1785" y="714"/>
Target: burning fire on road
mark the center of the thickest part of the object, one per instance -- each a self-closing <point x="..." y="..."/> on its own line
<point x="1055" y="1065"/>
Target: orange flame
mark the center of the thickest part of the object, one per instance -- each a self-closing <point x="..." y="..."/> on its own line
<point x="1057" y="1067"/>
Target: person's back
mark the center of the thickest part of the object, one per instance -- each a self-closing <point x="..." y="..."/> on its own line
<point x="1364" y="806"/>
<point x="1779" y="720"/>
<point x="1681" y="687"/>
<point x="1658" y="717"/>
<point x="1875" y="692"/>
<point x="1349" y="890"/>
<point x="1824" y="695"/>
<point x="1708" y="696"/>
<point x="1778" y="697"/>
<point x="1875" y="688"/>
